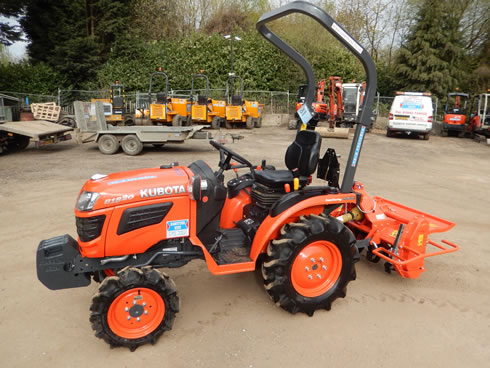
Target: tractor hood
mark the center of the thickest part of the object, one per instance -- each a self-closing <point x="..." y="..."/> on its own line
<point x="103" y="191"/>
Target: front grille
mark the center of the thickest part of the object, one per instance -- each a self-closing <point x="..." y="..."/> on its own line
<point x="199" y="112"/>
<point x="264" y="196"/>
<point x="89" y="228"/>
<point x="157" y="111"/>
<point x="138" y="217"/>
<point x="234" y="112"/>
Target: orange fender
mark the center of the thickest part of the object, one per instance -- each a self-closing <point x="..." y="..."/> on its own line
<point x="271" y="226"/>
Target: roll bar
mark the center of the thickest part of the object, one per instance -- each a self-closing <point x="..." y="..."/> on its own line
<point x="196" y="76"/>
<point x="232" y="78"/>
<point x="365" y="118"/>
<point x="151" y="79"/>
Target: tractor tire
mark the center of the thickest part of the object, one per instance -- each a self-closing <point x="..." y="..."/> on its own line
<point x="134" y="308"/>
<point x="108" y="144"/>
<point x="131" y="145"/>
<point x="69" y="122"/>
<point x="249" y="123"/>
<point x="128" y="120"/>
<point x="258" y="122"/>
<point x="293" y="124"/>
<point x="228" y="124"/>
<point x="310" y="264"/>
<point x="177" y="120"/>
<point x="215" y="123"/>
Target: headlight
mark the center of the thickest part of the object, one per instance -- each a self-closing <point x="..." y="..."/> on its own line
<point x="86" y="200"/>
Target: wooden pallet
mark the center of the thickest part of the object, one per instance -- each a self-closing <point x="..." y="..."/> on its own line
<point x="46" y="111"/>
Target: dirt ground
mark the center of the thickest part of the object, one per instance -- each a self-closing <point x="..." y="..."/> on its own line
<point x="441" y="319"/>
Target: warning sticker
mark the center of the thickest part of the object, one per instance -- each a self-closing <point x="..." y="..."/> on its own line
<point x="177" y="228"/>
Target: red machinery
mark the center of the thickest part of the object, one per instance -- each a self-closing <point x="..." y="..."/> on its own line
<point x="305" y="239"/>
<point x="455" y="113"/>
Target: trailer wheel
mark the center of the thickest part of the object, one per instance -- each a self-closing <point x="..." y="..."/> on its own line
<point x="108" y="144"/>
<point x="249" y="123"/>
<point x="310" y="264"/>
<point x="215" y="122"/>
<point x="177" y="120"/>
<point x="69" y="122"/>
<point x="131" y="145"/>
<point x="258" y="122"/>
<point x="134" y="308"/>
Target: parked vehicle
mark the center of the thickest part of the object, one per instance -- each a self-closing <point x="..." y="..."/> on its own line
<point x="411" y="113"/>
<point x="241" y="111"/>
<point x="480" y="118"/>
<point x="305" y="239"/>
<point x="455" y="112"/>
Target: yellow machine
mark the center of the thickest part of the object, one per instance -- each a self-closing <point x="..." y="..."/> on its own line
<point x="115" y="110"/>
<point x="205" y="109"/>
<point x="164" y="110"/>
<point x="241" y="111"/>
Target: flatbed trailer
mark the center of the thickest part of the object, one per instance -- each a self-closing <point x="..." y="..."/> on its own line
<point x="130" y="138"/>
<point x="16" y="135"/>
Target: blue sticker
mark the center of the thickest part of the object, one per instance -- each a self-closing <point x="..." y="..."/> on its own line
<point x="358" y="146"/>
<point x="177" y="228"/>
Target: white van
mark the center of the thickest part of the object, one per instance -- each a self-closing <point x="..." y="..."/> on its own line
<point x="411" y="113"/>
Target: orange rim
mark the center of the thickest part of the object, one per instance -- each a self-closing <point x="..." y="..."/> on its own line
<point x="136" y="313"/>
<point x="316" y="268"/>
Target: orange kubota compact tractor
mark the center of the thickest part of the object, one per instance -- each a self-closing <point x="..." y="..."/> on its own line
<point x="306" y="239"/>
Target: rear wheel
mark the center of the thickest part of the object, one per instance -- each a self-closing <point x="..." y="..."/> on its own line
<point x="389" y="133"/>
<point x="131" y="145"/>
<point x="249" y="123"/>
<point x="134" y="307"/>
<point x="310" y="264"/>
<point x="426" y="136"/>
<point x="108" y="144"/>
<point x="215" y="122"/>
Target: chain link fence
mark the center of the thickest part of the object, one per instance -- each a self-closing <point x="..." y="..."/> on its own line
<point x="275" y="102"/>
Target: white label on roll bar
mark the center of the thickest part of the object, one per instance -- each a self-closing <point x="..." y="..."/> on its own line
<point x="347" y="38"/>
<point x="304" y="114"/>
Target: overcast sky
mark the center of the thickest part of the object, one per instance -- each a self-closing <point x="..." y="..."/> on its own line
<point x="17" y="50"/>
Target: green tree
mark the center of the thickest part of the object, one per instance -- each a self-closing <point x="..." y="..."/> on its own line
<point x="432" y="56"/>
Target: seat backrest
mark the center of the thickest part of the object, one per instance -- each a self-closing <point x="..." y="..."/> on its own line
<point x="304" y="152"/>
<point x="202" y="100"/>
<point x="236" y="100"/>
<point x="161" y="98"/>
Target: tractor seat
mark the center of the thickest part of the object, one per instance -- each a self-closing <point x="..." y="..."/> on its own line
<point x="236" y="100"/>
<point x="301" y="159"/>
<point x="202" y="100"/>
<point x="161" y="98"/>
<point x="277" y="178"/>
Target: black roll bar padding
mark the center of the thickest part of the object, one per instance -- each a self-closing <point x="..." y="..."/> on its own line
<point x="232" y="78"/>
<point x="365" y="119"/>
<point x="151" y="79"/>
<point x="194" y="77"/>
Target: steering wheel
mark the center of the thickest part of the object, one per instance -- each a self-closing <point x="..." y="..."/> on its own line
<point x="225" y="157"/>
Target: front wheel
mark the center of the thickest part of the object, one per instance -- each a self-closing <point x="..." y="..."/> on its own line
<point x="108" y="144"/>
<point x="134" y="307"/>
<point x="249" y="123"/>
<point x="258" y="122"/>
<point x="215" y="122"/>
<point x="177" y="120"/>
<point x="310" y="264"/>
